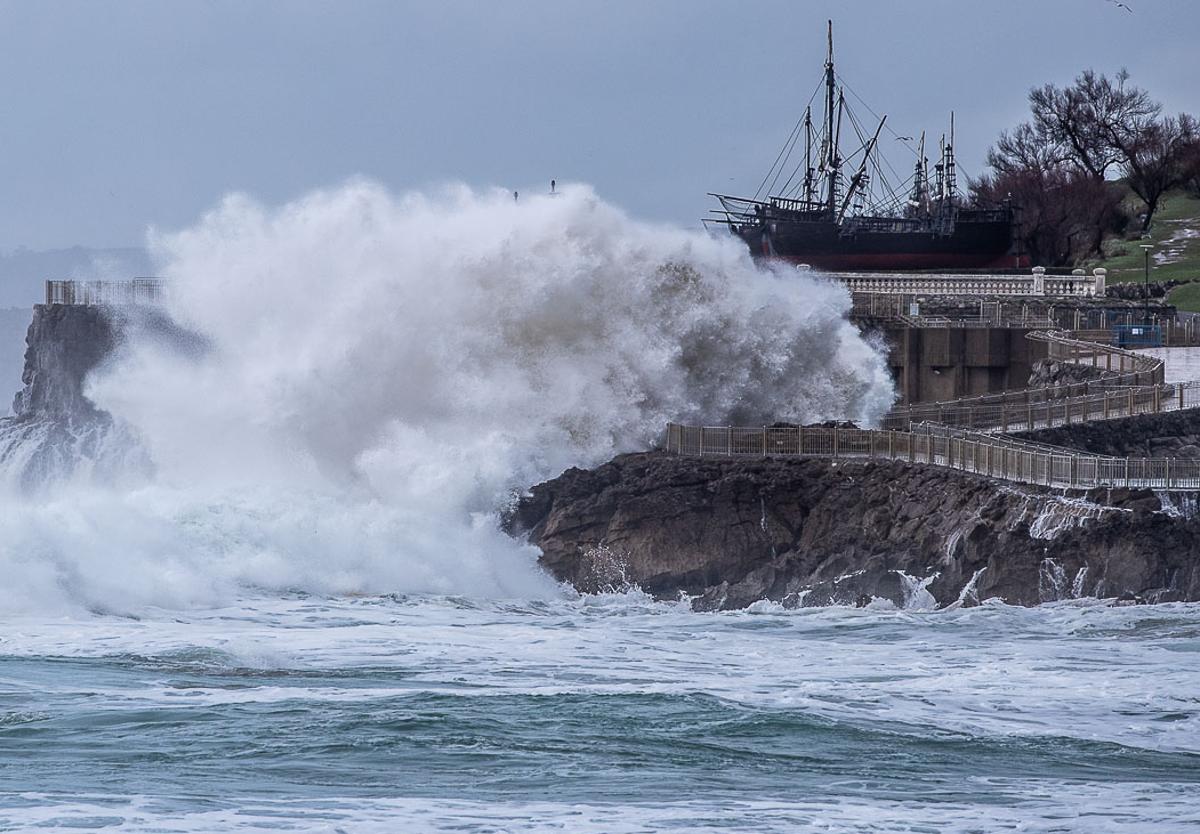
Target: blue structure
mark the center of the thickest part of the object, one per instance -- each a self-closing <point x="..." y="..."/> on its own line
<point x="1138" y="335"/>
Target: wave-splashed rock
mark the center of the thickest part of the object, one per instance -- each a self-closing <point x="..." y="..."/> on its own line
<point x="1054" y="373"/>
<point x="56" y="432"/>
<point x="729" y="532"/>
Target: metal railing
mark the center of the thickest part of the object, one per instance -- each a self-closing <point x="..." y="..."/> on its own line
<point x="1102" y="403"/>
<point x="133" y="291"/>
<point x="971" y="322"/>
<point x="1004" y="458"/>
<point x="1038" y="283"/>
<point x="1129" y="383"/>
<point x="970" y="434"/>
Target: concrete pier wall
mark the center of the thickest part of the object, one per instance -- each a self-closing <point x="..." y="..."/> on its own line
<point x="944" y="363"/>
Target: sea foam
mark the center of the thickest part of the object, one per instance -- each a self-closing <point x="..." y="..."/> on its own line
<point x="384" y="373"/>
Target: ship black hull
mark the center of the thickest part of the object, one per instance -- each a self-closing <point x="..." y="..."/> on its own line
<point x="823" y="245"/>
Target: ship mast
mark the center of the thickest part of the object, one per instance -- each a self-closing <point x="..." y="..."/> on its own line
<point x="857" y="179"/>
<point x="939" y="172"/>
<point x="808" y="166"/>
<point x="919" y="200"/>
<point x="951" y="168"/>
<point x="830" y="84"/>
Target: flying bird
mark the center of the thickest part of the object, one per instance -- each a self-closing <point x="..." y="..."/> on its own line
<point x="1121" y="5"/>
<point x="904" y="138"/>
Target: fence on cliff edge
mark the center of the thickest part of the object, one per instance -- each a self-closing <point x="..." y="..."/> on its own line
<point x="994" y="456"/>
<point x="95" y="293"/>
<point x="970" y="434"/>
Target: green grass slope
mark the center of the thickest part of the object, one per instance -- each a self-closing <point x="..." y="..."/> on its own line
<point x="1175" y="236"/>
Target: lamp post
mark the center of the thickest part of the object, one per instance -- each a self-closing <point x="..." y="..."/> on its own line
<point x="1146" y="247"/>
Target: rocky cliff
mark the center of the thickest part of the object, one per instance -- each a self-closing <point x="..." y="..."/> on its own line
<point x="54" y="426"/>
<point x="56" y="431"/>
<point x="729" y="532"/>
<point x="63" y="345"/>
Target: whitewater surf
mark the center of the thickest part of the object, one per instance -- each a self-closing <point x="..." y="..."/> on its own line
<point x="269" y="591"/>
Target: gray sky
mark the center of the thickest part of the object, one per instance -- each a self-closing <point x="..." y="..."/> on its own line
<point x="123" y="115"/>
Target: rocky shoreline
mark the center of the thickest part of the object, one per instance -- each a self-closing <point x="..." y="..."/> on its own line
<point x="726" y="533"/>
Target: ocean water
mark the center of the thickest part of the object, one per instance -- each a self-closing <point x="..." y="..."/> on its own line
<point x="276" y="597"/>
<point x="600" y="714"/>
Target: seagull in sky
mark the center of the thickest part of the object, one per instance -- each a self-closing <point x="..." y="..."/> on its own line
<point x="1121" y="5"/>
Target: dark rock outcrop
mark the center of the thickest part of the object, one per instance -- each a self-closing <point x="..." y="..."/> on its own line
<point x="1052" y="373"/>
<point x="64" y="344"/>
<point x="56" y="430"/>
<point x="55" y="426"/>
<point x="729" y="532"/>
<point x="1174" y="434"/>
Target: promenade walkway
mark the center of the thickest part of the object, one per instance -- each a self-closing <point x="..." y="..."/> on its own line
<point x="973" y="434"/>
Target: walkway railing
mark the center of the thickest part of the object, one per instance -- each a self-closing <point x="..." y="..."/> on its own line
<point x="134" y="291"/>
<point x="997" y="457"/>
<point x="970" y="434"/>
<point x="1128" y="383"/>
<point x="1103" y="403"/>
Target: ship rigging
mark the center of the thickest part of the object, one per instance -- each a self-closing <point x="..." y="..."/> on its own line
<point x="852" y="210"/>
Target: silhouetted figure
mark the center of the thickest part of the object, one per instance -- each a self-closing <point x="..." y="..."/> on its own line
<point x="515" y="196"/>
<point x="551" y="186"/>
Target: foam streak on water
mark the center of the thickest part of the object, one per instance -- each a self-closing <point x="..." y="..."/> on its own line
<point x="602" y="714"/>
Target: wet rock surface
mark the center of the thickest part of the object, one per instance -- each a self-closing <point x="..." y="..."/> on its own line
<point x="1051" y="373"/>
<point x="63" y="345"/>
<point x="1174" y="434"/>
<point x="55" y="429"/>
<point x="728" y="532"/>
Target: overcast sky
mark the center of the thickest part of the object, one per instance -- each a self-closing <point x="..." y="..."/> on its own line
<point x="122" y="115"/>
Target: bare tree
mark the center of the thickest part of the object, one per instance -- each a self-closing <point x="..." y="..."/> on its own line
<point x="1024" y="149"/>
<point x="1094" y="120"/>
<point x="1191" y="167"/>
<point x="1065" y="213"/>
<point x="1056" y="165"/>
<point x="1157" y="159"/>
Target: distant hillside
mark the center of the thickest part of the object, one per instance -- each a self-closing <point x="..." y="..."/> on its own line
<point x="23" y="271"/>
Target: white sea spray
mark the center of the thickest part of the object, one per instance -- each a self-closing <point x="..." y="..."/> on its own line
<point x="383" y="373"/>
